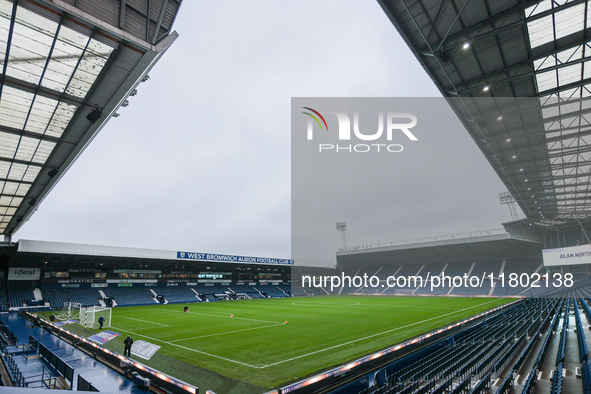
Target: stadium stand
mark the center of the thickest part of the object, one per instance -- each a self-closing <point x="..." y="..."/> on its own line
<point x="58" y="296"/>
<point x="177" y="294"/>
<point x="3" y="299"/>
<point x="20" y="296"/>
<point x="126" y="296"/>
<point x="488" y="356"/>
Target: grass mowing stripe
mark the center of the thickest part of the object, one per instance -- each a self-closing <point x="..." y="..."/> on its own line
<point x="227" y="332"/>
<point x="145" y="321"/>
<point x="332" y="331"/>
<point x="223" y="317"/>
<point x="186" y="348"/>
<point x="375" y="335"/>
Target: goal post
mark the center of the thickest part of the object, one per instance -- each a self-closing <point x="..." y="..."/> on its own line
<point x="89" y="316"/>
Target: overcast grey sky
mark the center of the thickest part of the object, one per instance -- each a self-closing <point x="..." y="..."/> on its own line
<point x="200" y="160"/>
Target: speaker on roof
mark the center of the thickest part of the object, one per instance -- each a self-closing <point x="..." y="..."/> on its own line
<point x="94" y="115"/>
<point x="444" y="57"/>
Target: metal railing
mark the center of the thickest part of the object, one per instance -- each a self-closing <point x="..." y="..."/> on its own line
<point x="473" y="234"/>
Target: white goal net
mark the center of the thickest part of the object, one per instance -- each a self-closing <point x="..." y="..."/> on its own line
<point x="89" y="316"/>
<point x="71" y="310"/>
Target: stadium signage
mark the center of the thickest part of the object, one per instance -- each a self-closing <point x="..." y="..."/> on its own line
<point x="82" y="280"/>
<point x="395" y="122"/>
<point x="84" y="270"/>
<point x="19" y="273"/>
<point x="232" y="259"/>
<point x="573" y="255"/>
<point x="132" y="280"/>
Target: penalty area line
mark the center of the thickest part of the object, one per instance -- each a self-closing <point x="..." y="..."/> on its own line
<point x="374" y="335"/>
<point x="187" y="348"/>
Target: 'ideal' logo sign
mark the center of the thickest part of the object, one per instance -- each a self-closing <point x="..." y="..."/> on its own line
<point x="395" y="122"/>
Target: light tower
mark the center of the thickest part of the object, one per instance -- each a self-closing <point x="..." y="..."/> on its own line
<point x="507" y="198"/>
<point x="342" y="227"/>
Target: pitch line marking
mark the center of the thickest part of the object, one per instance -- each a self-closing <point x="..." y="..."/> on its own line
<point x="408" y="306"/>
<point x="145" y="321"/>
<point x="228" y="332"/>
<point x="223" y="317"/>
<point x="378" y="306"/>
<point x="187" y="348"/>
<point x="312" y="304"/>
<point x="373" y="335"/>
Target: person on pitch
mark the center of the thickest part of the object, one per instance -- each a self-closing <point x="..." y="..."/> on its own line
<point x="127" y="350"/>
<point x="101" y="322"/>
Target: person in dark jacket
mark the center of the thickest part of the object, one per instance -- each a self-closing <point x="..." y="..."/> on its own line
<point x="101" y="322"/>
<point x="127" y="350"/>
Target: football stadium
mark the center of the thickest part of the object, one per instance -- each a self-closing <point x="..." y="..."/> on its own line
<point x="485" y="312"/>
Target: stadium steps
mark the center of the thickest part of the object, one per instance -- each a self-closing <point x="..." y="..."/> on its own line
<point x="284" y="292"/>
<point x="37" y="294"/>
<point x="200" y="297"/>
<point x="535" y="272"/>
<point x="394" y="275"/>
<point x="305" y="291"/>
<point x="343" y="284"/>
<point x="417" y="274"/>
<point x="501" y="270"/>
<point x="469" y="273"/>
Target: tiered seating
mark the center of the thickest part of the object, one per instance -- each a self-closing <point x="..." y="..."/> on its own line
<point x="18" y="296"/>
<point x="177" y="293"/>
<point x="272" y="290"/>
<point x="285" y="288"/>
<point x="125" y="296"/>
<point x="582" y="342"/>
<point x="557" y="380"/>
<point x="406" y="271"/>
<point x="525" y="266"/>
<point x="586" y="371"/>
<point x="452" y="269"/>
<point x="3" y="300"/>
<point x="480" y="351"/>
<point x="57" y="297"/>
<point x="298" y="291"/>
<point x="210" y="291"/>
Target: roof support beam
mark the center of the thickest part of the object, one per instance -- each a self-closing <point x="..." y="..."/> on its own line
<point x="8" y="45"/>
<point x="489" y="78"/>
<point x="464" y="34"/>
<point x="442" y="41"/>
<point x="15" y="181"/>
<point x="122" y="6"/>
<point x="43" y="91"/>
<point x="565" y="87"/>
<point x="159" y="23"/>
<point x="11" y="195"/>
<point x="41" y="137"/>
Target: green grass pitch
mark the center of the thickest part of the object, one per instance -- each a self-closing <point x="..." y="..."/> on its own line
<point x="257" y="346"/>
